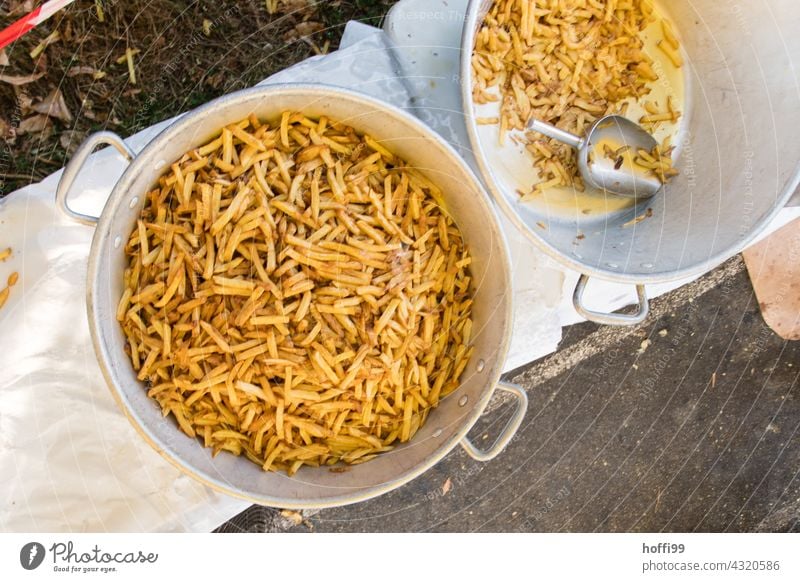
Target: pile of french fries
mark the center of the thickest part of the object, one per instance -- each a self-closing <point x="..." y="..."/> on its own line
<point x="569" y="63"/>
<point x="297" y="295"/>
<point x="657" y="161"/>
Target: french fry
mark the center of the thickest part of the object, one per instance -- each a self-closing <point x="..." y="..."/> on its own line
<point x="273" y="301"/>
<point x="672" y="54"/>
<point x="568" y="63"/>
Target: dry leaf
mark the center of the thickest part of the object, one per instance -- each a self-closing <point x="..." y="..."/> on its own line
<point x="24" y="102"/>
<point x="68" y="35"/>
<point x="85" y="70"/>
<point x="216" y="80"/>
<point x="81" y="70"/>
<point x="308" y="28"/>
<point x="7" y="131"/>
<point x="4" y="62"/>
<point x="304" y="29"/>
<point x="54" y="106"/>
<point x="293" y="7"/>
<point x="18" y="80"/>
<point x="294" y="516"/>
<point x="33" y="124"/>
<point x="41" y="63"/>
<point x="70" y="140"/>
<point x="17" y="8"/>
<point x="448" y="485"/>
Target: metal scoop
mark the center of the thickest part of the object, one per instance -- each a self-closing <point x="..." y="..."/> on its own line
<point x="615" y="174"/>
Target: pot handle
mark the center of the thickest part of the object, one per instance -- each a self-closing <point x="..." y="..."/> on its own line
<point x="508" y="432"/>
<point x="610" y="318"/>
<point x="76" y="164"/>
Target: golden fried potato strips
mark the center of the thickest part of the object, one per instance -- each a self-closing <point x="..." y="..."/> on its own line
<point x="296" y="294"/>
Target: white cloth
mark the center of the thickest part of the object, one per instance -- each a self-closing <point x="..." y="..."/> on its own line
<point x="69" y="459"/>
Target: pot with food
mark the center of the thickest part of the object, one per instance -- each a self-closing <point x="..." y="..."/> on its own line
<point x="708" y="80"/>
<point x="300" y="296"/>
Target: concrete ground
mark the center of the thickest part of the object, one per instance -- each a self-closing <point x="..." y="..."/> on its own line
<point x="687" y="423"/>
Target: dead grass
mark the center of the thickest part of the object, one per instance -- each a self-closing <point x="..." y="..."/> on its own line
<point x="189" y="52"/>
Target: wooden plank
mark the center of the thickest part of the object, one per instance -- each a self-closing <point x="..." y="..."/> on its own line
<point x="774" y="267"/>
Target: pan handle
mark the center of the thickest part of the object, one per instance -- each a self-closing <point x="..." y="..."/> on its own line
<point x="76" y="164"/>
<point x="508" y="432"/>
<point x="610" y="318"/>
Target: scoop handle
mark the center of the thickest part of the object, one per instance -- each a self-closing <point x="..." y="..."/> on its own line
<point x="557" y="134"/>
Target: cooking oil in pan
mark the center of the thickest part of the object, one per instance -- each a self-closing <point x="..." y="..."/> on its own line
<point x="670" y="85"/>
<point x="512" y="163"/>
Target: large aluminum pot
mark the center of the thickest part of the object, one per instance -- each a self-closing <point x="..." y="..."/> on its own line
<point x="738" y="154"/>
<point x="447" y="426"/>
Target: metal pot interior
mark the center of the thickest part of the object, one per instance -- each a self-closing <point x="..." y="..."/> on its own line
<point x="737" y="151"/>
<point x="466" y="201"/>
